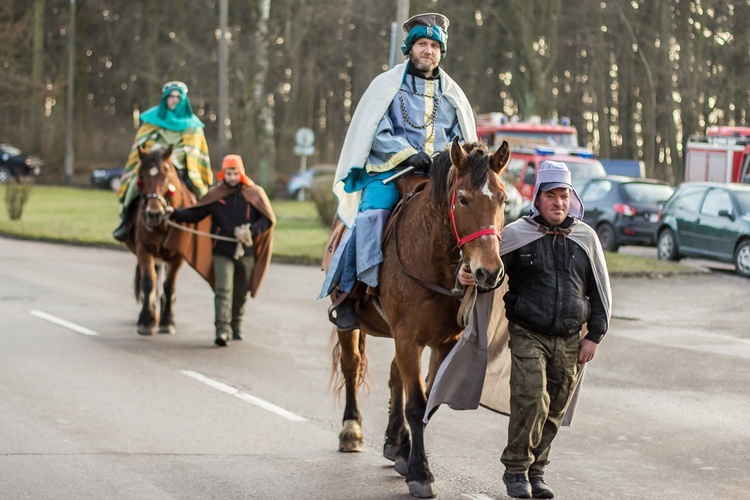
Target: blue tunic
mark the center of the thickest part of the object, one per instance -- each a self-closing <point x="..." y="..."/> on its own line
<point x="418" y="119"/>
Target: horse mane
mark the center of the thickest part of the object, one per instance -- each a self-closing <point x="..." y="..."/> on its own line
<point x="479" y="160"/>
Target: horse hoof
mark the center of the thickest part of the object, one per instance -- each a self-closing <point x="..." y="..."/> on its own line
<point x="146" y="331"/>
<point x="389" y="452"/>
<point x="350" y="437"/>
<point x="420" y="489"/>
<point x="401" y="465"/>
<point x="168" y="329"/>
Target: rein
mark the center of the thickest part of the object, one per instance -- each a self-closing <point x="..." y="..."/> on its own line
<point x="200" y="233"/>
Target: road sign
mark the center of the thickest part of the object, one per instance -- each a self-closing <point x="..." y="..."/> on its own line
<point x="304" y="150"/>
<point x="304" y="137"/>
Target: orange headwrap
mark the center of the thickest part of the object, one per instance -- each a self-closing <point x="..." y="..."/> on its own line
<point x="235" y="162"/>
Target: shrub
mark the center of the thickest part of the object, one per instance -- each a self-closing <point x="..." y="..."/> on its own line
<point x="16" y="196"/>
<point x="325" y="202"/>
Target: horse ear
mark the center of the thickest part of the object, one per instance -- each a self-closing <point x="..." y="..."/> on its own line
<point x="167" y="153"/>
<point x="458" y="155"/>
<point x="500" y="159"/>
<point x="141" y="152"/>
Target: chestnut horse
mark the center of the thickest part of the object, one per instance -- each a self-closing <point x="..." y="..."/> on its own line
<point x="160" y="186"/>
<point x="458" y="215"/>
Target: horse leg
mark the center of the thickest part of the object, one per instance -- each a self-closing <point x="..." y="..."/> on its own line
<point x="350" y="437"/>
<point x="418" y="477"/>
<point x="166" y="323"/>
<point x="149" y="311"/>
<point x="397" y="442"/>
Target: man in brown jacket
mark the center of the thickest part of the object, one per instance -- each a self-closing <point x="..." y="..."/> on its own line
<point x="235" y="267"/>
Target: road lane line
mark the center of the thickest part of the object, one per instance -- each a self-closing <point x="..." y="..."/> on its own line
<point x="249" y="398"/>
<point x="63" y="323"/>
<point x="476" y="496"/>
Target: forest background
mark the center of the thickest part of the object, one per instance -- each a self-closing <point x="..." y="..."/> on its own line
<point x="635" y="77"/>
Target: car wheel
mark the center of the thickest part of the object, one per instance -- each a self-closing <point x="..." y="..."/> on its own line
<point x="666" y="246"/>
<point x="114" y="183"/>
<point x="742" y="258"/>
<point x="607" y="238"/>
<point x="4" y="175"/>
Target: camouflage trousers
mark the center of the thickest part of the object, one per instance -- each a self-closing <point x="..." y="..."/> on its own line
<point x="543" y="375"/>
<point x="231" y="279"/>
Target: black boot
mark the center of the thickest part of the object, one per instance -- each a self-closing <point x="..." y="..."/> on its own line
<point x="121" y="232"/>
<point x="540" y="489"/>
<point x="346" y="319"/>
<point x="517" y="485"/>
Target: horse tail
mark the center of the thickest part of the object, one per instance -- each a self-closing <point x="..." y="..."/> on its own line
<point x="337" y="381"/>
<point x="137" y="284"/>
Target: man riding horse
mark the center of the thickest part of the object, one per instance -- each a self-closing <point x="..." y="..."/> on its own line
<point x="405" y="116"/>
<point x="171" y="123"/>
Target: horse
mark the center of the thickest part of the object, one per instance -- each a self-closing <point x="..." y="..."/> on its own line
<point x="455" y="219"/>
<point x="160" y="186"/>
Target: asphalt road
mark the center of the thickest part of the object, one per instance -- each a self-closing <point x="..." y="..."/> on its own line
<point x="89" y="410"/>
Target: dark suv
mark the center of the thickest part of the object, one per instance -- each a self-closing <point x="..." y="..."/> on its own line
<point x="624" y="210"/>
<point x="707" y="220"/>
<point x="13" y="163"/>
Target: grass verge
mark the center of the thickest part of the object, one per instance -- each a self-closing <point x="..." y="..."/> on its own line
<point x="88" y="216"/>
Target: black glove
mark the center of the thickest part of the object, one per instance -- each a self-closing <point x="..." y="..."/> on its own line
<point x="420" y="161"/>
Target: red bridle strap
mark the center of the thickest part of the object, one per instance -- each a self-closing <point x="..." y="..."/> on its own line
<point x="476" y="234"/>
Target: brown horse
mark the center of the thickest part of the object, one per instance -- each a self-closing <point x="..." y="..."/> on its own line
<point x="458" y="215"/>
<point x="160" y="186"/>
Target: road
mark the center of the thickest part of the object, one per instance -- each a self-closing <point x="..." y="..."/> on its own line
<point x="90" y="410"/>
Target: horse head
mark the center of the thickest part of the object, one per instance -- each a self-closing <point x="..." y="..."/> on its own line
<point x="477" y="198"/>
<point x="158" y="183"/>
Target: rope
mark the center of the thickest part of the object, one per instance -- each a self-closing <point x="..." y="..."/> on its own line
<point x="244" y="233"/>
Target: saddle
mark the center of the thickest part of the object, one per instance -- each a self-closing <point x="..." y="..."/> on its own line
<point x="408" y="186"/>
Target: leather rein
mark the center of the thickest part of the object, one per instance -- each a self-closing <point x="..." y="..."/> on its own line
<point x="460" y="242"/>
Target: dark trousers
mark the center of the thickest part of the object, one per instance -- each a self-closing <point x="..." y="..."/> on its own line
<point x="231" y="279"/>
<point x="543" y="374"/>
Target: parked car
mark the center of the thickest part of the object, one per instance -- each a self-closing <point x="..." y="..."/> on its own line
<point x="13" y="163"/>
<point x="624" y="210"/>
<point x="515" y="203"/>
<point x="707" y="220"/>
<point x="107" y="178"/>
<point x="304" y="180"/>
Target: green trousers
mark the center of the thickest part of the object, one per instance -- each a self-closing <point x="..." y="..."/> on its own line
<point x="543" y="374"/>
<point x="231" y="278"/>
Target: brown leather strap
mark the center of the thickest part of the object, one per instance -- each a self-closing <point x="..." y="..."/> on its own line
<point x="424" y="283"/>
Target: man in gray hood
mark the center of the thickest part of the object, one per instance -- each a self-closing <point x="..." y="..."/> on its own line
<point x="557" y="283"/>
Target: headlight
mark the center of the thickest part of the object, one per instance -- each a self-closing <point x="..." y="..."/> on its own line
<point x="98" y="173"/>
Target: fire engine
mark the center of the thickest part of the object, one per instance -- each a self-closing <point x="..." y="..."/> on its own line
<point x="533" y="142"/>
<point x="722" y="155"/>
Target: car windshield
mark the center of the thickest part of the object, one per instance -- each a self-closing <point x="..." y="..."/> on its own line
<point x="647" y="193"/>
<point x="743" y="198"/>
<point x="580" y="170"/>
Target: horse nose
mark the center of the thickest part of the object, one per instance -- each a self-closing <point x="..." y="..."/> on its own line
<point x="153" y="216"/>
<point x="486" y="278"/>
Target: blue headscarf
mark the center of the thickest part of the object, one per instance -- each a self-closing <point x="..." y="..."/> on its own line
<point x="426" y="28"/>
<point x="179" y="119"/>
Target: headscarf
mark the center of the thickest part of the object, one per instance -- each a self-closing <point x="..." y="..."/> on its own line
<point x="235" y="162"/>
<point x="431" y="25"/>
<point x="555" y="174"/>
<point x="178" y="119"/>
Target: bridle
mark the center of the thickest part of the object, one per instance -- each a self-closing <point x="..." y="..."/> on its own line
<point x="476" y="234"/>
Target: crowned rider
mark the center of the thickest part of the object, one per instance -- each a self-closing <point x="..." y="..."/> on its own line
<point x="173" y="123"/>
<point x="405" y="116"/>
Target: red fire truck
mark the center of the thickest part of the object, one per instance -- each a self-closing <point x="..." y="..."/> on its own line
<point x="533" y="142"/>
<point x="722" y="155"/>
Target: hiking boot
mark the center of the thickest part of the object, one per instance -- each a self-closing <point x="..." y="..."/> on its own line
<point x="540" y="489"/>
<point x="517" y="485"/>
<point x="237" y="336"/>
<point x="346" y="319"/>
<point x="222" y="340"/>
<point x="121" y="232"/>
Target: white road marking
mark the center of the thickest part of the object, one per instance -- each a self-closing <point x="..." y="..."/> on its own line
<point x="249" y="398"/>
<point x="63" y="323"/>
<point x="476" y="496"/>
